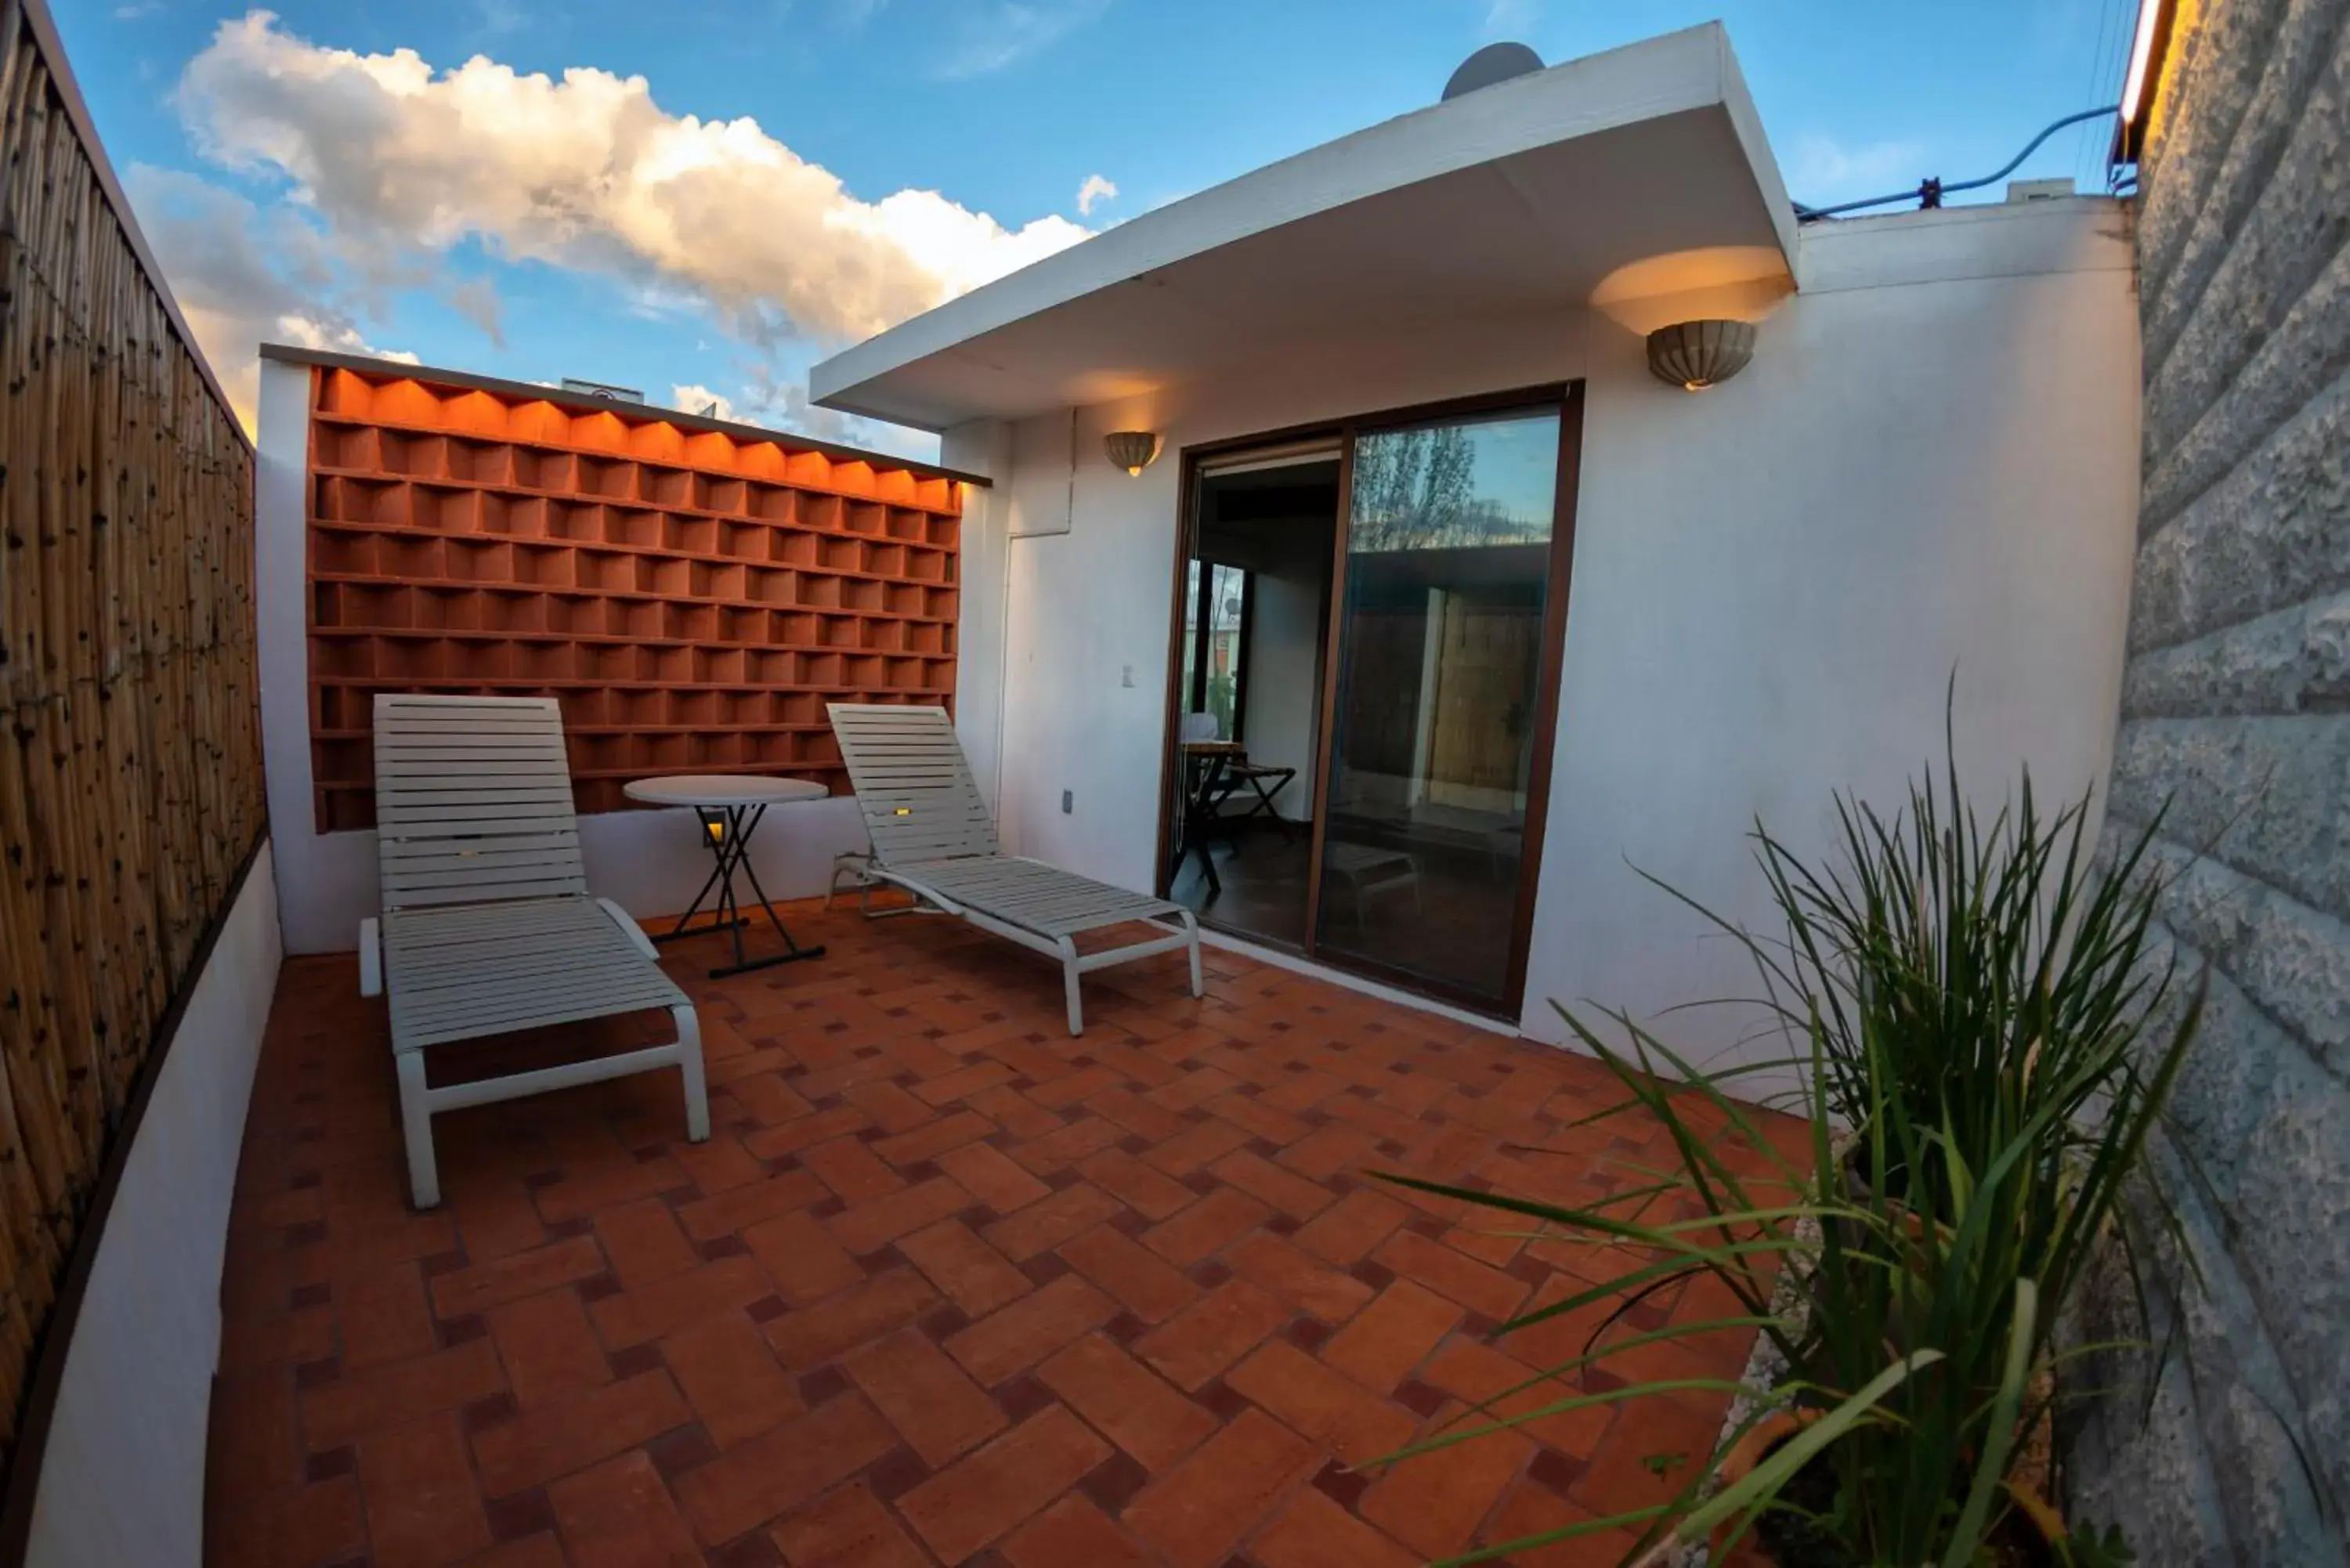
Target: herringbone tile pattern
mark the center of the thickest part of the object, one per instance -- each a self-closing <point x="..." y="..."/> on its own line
<point x="946" y="1285"/>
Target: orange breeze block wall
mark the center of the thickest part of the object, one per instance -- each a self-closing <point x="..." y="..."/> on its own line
<point x="693" y="597"/>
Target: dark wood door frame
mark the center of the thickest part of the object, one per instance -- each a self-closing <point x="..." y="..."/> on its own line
<point x="1566" y="398"/>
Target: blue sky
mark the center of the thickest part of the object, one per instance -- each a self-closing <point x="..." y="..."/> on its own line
<point x="539" y="230"/>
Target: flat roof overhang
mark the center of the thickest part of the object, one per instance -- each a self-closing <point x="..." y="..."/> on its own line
<point x="1522" y="196"/>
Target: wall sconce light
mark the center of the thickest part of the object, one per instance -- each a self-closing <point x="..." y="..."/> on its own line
<point x="1695" y="355"/>
<point x="1132" y="450"/>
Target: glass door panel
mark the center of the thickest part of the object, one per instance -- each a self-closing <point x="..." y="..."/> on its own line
<point x="1448" y="565"/>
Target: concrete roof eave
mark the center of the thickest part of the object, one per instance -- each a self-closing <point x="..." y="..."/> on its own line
<point x="1523" y="195"/>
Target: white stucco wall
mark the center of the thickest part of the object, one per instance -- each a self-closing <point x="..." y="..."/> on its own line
<point x="649" y="862"/>
<point x="1929" y="465"/>
<point x="980" y="448"/>
<point x="122" y="1473"/>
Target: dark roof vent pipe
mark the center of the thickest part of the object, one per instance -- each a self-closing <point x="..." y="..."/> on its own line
<point x="1493" y="63"/>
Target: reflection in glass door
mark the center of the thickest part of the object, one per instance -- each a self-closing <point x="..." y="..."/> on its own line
<point x="1447" y="583"/>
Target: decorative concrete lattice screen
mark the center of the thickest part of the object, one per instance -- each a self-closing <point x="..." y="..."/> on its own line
<point x="691" y="597"/>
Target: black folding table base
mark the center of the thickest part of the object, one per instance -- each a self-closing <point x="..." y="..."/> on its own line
<point x="1220" y="779"/>
<point x="729" y="845"/>
<point x="1199" y="808"/>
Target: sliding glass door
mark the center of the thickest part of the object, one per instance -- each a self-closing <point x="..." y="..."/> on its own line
<point x="1443" y="688"/>
<point x="1373" y="614"/>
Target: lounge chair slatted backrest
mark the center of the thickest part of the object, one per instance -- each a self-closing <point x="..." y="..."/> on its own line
<point x="473" y="801"/>
<point x="488" y="926"/>
<point x="933" y="836"/>
<point x="913" y="785"/>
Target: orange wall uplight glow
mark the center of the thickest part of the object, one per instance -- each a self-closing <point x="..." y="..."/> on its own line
<point x="1735" y="283"/>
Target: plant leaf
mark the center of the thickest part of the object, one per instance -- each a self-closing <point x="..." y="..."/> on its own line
<point x="1991" y="1471"/>
<point x="1764" y="1482"/>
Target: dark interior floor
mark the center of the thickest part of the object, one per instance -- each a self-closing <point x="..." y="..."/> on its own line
<point x="1263" y="878"/>
<point x="1449" y="920"/>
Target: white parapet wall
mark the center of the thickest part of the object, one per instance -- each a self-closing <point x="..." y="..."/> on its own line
<point x="122" y="1469"/>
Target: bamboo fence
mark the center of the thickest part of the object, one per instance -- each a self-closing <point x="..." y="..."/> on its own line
<point x="130" y="783"/>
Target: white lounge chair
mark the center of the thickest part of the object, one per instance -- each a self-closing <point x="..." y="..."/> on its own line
<point x="932" y="837"/>
<point x="487" y="923"/>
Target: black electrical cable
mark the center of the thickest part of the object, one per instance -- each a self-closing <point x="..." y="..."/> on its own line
<point x="1928" y="192"/>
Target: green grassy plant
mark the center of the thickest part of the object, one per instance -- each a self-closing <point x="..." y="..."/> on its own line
<point x="1974" y="1013"/>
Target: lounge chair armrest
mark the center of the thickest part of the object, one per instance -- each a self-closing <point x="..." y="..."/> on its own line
<point x="629" y="928"/>
<point x="370" y="957"/>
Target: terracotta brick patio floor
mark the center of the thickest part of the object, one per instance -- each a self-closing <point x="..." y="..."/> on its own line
<point x="945" y="1284"/>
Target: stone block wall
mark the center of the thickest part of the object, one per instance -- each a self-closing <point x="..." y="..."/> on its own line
<point x="2236" y="710"/>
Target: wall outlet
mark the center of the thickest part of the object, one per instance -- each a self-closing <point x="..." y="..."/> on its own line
<point x="1068" y="801"/>
<point x="1126" y="675"/>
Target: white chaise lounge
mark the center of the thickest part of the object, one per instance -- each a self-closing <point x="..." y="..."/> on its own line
<point x="487" y="924"/>
<point x="932" y="837"/>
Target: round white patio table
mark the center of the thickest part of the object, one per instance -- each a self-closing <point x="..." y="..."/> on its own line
<point x="729" y="806"/>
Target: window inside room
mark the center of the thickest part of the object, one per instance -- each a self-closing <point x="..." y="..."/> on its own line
<point x="1215" y="646"/>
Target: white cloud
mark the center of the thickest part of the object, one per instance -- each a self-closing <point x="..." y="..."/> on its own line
<point x="304" y="332"/>
<point x="851" y="15"/>
<point x="242" y="277"/>
<point x="695" y="399"/>
<point x="1510" y="18"/>
<point x="498" y="18"/>
<point x="476" y="299"/>
<point x="1096" y="188"/>
<point x="1823" y="171"/>
<point x="779" y="402"/>
<point x="587" y="173"/>
<point x="992" y="34"/>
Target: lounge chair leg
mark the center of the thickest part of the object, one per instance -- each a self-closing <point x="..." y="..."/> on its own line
<point x="370" y="957"/>
<point x="416" y="1124"/>
<point x="1069" y="984"/>
<point x="688" y="1066"/>
<point x="860" y="866"/>
<point x="1191" y="929"/>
